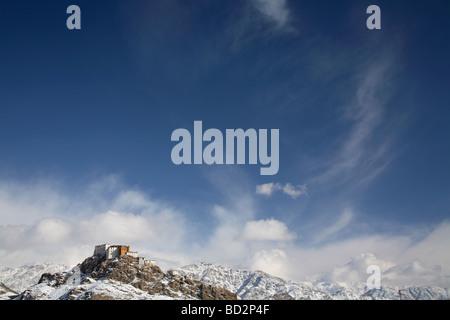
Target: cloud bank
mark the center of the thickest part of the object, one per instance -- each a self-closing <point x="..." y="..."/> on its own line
<point x="238" y="237"/>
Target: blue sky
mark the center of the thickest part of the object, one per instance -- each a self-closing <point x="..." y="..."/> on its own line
<point x="87" y="115"/>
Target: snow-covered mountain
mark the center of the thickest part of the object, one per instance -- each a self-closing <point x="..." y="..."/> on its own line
<point x="251" y="285"/>
<point x="19" y="279"/>
<point x="410" y="293"/>
<point x="6" y="293"/>
<point x="259" y="285"/>
<point x="124" y="279"/>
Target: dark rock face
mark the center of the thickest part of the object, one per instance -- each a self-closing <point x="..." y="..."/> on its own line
<point x="5" y="290"/>
<point x="52" y="279"/>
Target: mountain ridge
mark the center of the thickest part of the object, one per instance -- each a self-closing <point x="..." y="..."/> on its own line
<point x="262" y="286"/>
<point x="124" y="279"/>
<point x="121" y="278"/>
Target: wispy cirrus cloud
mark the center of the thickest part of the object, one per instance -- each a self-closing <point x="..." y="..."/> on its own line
<point x="258" y="19"/>
<point x="366" y="148"/>
<point x="275" y="11"/>
<point x="331" y="230"/>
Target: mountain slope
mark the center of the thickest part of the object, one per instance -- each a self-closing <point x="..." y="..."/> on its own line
<point x="6" y="293"/>
<point x="262" y="286"/>
<point x="250" y="285"/>
<point x="120" y="279"/>
<point x="409" y="293"/>
<point x="19" y="279"/>
<point x="124" y="279"/>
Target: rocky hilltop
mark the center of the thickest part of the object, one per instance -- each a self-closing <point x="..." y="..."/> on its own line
<point x="120" y="278"/>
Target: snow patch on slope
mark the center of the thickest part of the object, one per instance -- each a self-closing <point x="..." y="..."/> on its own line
<point x="19" y="279"/>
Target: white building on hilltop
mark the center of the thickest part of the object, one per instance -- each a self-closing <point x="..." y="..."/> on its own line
<point x="108" y="251"/>
<point x="111" y="251"/>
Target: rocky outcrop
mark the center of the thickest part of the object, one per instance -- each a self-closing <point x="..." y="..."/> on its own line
<point x="123" y="269"/>
<point x="104" y="279"/>
<point x="5" y="292"/>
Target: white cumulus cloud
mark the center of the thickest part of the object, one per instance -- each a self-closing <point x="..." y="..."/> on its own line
<point x="294" y="192"/>
<point x="274" y="261"/>
<point x="269" y="229"/>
